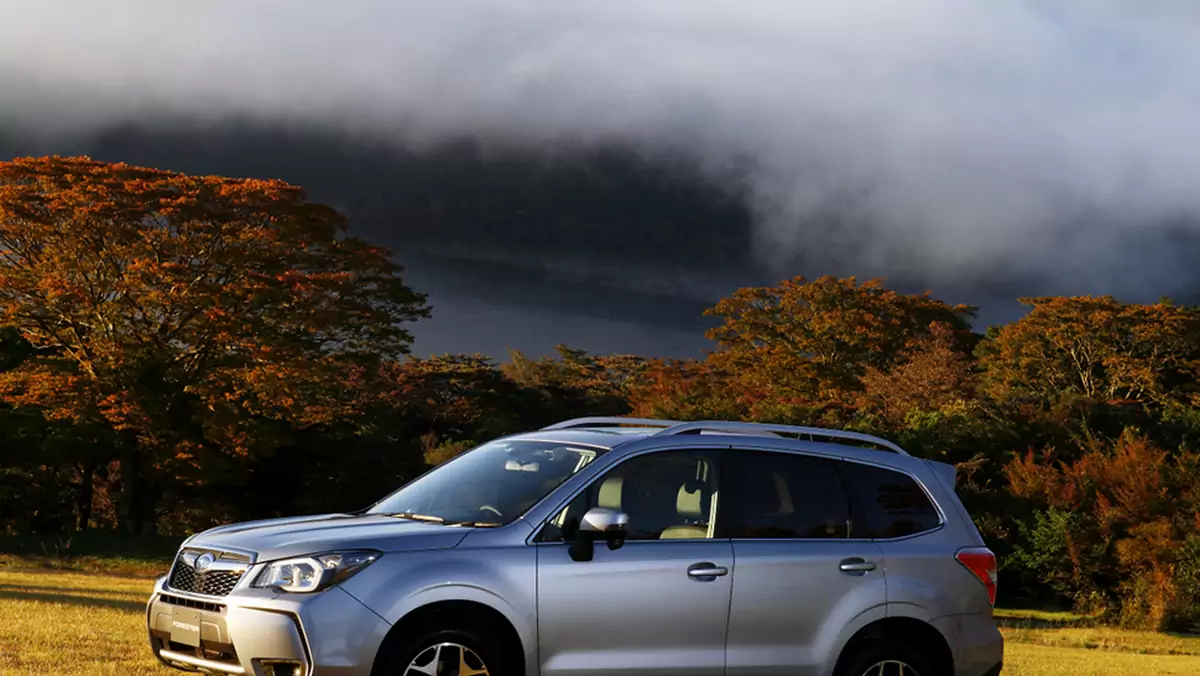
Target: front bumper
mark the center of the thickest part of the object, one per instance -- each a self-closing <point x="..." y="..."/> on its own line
<point x="260" y="632"/>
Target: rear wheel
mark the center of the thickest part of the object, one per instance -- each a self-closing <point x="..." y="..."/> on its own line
<point x="884" y="658"/>
<point x="444" y="652"/>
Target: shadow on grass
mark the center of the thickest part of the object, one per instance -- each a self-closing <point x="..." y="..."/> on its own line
<point x="13" y="593"/>
<point x="50" y="589"/>
<point x="97" y="543"/>
<point x="88" y="565"/>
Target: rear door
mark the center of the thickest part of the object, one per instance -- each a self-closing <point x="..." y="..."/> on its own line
<point x="907" y="524"/>
<point x="801" y="577"/>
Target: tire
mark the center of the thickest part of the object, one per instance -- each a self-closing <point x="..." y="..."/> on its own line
<point x="869" y="657"/>
<point x="414" y="656"/>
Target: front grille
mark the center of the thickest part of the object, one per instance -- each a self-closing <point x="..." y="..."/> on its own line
<point x="191" y="603"/>
<point x="212" y="582"/>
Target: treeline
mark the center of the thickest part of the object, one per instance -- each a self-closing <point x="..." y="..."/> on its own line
<point x="184" y="351"/>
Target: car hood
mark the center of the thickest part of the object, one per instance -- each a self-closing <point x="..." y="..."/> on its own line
<point x="273" y="539"/>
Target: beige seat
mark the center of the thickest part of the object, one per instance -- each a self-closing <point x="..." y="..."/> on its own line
<point x="612" y="493"/>
<point x="692" y="507"/>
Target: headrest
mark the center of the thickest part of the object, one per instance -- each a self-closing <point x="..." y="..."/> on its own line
<point x="690" y="499"/>
<point x="611" y="492"/>
<point x="785" y="495"/>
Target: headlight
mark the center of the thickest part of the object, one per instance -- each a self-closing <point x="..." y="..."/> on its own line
<point x="307" y="574"/>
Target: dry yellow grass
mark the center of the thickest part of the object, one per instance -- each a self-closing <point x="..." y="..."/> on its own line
<point x="69" y="623"/>
<point x="1109" y="640"/>
<point x="1023" y="659"/>
<point x="77" y="623"/>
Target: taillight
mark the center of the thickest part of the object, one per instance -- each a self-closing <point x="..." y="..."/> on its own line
<point x="982" y="563"/>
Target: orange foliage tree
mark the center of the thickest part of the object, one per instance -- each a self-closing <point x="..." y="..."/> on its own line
<point x="455" y="397"/>
<point x="930" y="403"/>
<point x="575" y="383"/>
<point x="1121" y="530"/>
<point x="1097" y="348"/>
<point x="814" y="340"/>
<point x="685" y="390"/>
<point x="186" y="310"/>
<point x="936" y="374"/>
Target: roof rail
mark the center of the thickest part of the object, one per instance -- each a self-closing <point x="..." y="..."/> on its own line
<point x="781" y="430"/>
<point x="673" y="427"/>
<point x="611" y="421"/>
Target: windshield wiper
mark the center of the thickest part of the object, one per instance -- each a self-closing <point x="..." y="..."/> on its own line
<point x="437" y="519"/>
<point x="418" y="517"/>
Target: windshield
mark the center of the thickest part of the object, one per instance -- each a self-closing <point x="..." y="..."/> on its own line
<point x="492" y="484"/>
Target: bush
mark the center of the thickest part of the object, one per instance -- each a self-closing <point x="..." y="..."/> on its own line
<point x="1117" y="531"/>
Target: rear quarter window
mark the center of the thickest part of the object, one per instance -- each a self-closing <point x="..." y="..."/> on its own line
<point x="888" y="503"/>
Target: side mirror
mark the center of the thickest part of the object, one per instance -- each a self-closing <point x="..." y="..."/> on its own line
<point x="604" y="520"/>
<point x="599" y="523"/>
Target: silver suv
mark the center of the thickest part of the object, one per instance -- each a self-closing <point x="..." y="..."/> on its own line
<point x="605" y="546"/>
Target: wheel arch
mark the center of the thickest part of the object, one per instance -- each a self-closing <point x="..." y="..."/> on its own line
<point x="458" y="613"/>
<point x="909" y="630"/>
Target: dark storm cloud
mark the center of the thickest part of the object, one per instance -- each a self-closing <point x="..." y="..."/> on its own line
<point x="938" y="140"/>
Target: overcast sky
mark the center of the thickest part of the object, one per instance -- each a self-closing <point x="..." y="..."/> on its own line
<point x="953" y="138"/>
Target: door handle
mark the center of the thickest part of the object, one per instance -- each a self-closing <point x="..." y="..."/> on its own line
<point x="856" y="565"/>
<point x="706" y="571"/>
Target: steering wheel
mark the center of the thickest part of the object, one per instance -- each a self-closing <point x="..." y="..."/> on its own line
<point x="493" y="510"/>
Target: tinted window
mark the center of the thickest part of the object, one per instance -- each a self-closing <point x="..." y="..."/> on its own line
<point x="781" y="495"/>
<point x="893" y="504"/>
<point x="667" y="495"/>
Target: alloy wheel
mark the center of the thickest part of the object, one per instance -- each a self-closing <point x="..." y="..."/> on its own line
<point x="890" y="668"/>
<point x="449" y="659"/>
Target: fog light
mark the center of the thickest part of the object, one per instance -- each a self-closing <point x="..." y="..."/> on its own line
<point x="282" y="668"/>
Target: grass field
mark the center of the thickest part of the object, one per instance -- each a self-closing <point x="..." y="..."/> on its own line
<point x="70" y="620"/>
<point x="57" y="622"/>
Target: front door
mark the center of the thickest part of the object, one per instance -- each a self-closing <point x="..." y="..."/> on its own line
<point x="803" y="574"/>
<point x="658" y="605"/>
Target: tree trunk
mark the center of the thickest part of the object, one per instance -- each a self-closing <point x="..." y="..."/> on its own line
<point x="83" y="497"/>
<point x="148" y="505"/>
<point x="135" y="509"/>
<point x="129" y="486"/>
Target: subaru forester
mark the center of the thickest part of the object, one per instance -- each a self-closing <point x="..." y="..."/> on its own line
<point x="606" y="547"/>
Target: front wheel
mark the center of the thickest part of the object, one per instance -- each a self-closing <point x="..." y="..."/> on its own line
<point x="885" y="658"/>
<point x="446" y="652"/>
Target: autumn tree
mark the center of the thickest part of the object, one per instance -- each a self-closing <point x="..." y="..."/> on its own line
<point x="929" y="402"/>
<point x="185" y="312"/>
<point x="686" y="389"/>
<point x="1097" y="348"/>
<point x="935" y="374"/>
<point x="454" y="397"/>
<point x="574" y="383"/>
<point x="815" y="339"/>
<point x="1120" y="528"/>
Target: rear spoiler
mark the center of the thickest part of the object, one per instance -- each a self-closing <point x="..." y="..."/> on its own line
<point x="946" y="473"/>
